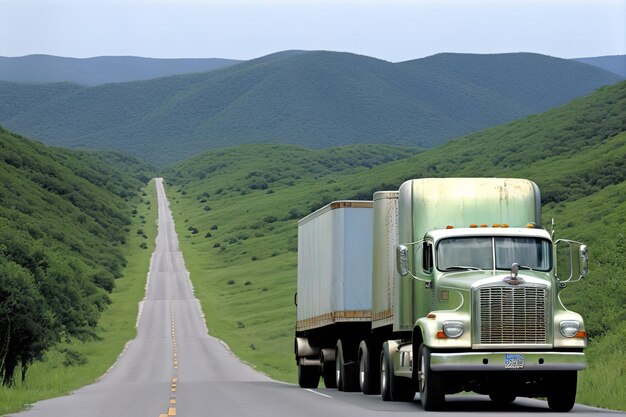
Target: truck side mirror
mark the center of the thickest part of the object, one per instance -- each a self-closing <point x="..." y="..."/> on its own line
<point x="402" y="260"/>
<point x="583" y="260"/>
<point x="572" y="260"/>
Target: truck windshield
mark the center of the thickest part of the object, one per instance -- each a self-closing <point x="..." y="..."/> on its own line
<point x="484" y="252"/>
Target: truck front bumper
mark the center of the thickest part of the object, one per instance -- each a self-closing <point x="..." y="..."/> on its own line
<point x="505" y="361"/>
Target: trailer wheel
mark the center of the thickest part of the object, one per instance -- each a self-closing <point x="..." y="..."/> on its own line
<point x="562" y="391"/>
<point x="393" y="388"/>
<point x="308" y="376"/>
<point x="328" y="371"/>
<point x="430" y="383"/>
<point x="346" y="372"/>
<point x="369" y="368"/>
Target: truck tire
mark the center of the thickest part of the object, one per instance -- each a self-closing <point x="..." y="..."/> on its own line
<point x="369" y="368"/>
<point x="328" y="371"/>
<point x="562" y="391"/>
<point x="393" y="388"/>
<point x="430" y="383"/>
<point x="346" y="372"/>
<point x="308" y="376"/>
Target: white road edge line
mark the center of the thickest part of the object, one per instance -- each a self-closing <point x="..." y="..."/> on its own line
<point x="318" y="393"/>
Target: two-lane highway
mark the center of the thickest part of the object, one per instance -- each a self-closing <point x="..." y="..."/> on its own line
<point x="173" y="367"/>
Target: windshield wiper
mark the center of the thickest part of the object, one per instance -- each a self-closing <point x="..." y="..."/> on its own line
<point x="525" y="267"/>
<point x="461" y="268"/>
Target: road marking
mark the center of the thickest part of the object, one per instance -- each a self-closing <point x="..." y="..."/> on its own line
<point x="318" y="393"/>
<point x="171" y="411"/>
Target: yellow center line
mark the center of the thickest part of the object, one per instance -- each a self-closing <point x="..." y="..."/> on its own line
<point x="172" y="401"/>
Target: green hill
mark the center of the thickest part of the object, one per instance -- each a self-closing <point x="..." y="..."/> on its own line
<point x="38" y="69"/>
<point x="312" y="99"/>
<point x="64" y="218"/>
<point x="240" y="239"/>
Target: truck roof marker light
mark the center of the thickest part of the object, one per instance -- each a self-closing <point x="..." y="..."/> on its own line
<point x="484" y="225"/>
<point x="473" y="225"/>
<point x="441" y="335"/>
<point x="495" y="225"/>
<point x="504" y="225"/>
<point x="530" y="225"/>
<point x="431" y="316"/>
<point x="449" y="227"/>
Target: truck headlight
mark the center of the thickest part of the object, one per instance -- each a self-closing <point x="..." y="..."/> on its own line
<point x="569" y="328"/>
<point x="453" y="329"/>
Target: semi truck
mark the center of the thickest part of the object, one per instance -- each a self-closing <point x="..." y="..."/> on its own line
<point x="443" y="286"/>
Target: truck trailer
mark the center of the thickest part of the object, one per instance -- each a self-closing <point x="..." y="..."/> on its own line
<point x="443" y="286"/>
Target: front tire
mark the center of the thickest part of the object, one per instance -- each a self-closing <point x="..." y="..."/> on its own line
<point x="562" y="392"/>
<point x="430" y="383"/>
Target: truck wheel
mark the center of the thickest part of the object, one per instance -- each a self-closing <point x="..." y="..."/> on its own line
<point x="369" y="372"/>
<point x="393" y="388"/>
<point x="562" y="391"/>
<point x="346" y="372"/>
<point x="430" y="383"/>
<point x="328" y="372"/>
<point x="308" y="376"/>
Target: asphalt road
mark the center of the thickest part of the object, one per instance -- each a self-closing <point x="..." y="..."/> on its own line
<point x="173" y="367"/>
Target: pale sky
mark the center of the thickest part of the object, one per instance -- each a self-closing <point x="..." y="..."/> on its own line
<point x="394" y="30"/>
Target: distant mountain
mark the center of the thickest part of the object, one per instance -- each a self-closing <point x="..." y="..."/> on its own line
<point x="100" y="70"/>
<point x="613" y="63"/>
<point x="313" y="99"/>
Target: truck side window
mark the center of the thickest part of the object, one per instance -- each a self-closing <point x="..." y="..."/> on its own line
<point x="427" y="257"/>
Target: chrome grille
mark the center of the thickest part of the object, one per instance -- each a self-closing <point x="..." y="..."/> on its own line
<point x="512" y="315"/>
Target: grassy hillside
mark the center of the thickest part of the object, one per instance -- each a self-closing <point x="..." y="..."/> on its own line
<point x="74" y="363"/>
<point x="39" y="69"/>
<point x="64" y="223"/>
<point x="312" y="99"/>
<point x="240" y="239"/>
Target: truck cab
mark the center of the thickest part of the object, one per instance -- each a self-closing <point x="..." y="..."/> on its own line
<point x="495" y="323"/>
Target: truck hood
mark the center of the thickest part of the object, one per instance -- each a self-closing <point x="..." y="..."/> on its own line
<point x="465" y="280"/>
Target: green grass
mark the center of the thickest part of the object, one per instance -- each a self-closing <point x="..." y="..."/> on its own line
<point x="51" y="377"/>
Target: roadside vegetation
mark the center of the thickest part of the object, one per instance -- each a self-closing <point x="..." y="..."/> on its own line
<point x="236" y="213"/>
<point x="72" y="268"/>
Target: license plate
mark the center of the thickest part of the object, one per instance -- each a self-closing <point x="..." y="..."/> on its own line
<point x="513" y="361"/>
